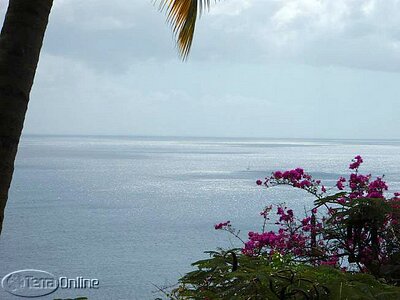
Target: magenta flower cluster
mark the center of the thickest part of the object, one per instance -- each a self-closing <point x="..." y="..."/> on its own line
<point x="357" y="161"/>
<point x="296" y="178"/>
<point x="324" y="236"/>
<point x="360" y="185"/>
<point x="283" y="241"/>
<point x="222" y="225"/>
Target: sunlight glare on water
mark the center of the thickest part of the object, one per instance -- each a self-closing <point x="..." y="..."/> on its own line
<point x="136" y="211"/>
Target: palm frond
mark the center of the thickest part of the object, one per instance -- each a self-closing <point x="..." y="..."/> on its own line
<point x="182" y="15"/>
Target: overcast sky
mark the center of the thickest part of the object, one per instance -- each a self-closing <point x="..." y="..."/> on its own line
<point x="258" y="68"/>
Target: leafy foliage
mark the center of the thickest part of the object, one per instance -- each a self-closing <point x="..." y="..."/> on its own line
<point x="262" y="277"/>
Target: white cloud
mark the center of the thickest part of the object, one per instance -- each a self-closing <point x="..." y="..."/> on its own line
<point x="230" y="7"/>
<point x="351" y="33"/>
<point x="115" y="34"/>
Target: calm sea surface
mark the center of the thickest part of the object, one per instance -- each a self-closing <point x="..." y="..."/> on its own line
<point x="133" y="212"/>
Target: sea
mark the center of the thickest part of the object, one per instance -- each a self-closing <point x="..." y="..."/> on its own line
<point x="133" y="213"/>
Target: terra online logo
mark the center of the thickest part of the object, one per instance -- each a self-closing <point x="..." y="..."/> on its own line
<point x="32" y="283"/>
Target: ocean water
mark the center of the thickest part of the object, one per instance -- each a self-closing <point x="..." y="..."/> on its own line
<point x="133" y="212"/>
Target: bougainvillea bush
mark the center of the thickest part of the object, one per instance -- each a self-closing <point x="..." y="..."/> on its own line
<point x="346" y="247"/>
<point x="355" y="229"/>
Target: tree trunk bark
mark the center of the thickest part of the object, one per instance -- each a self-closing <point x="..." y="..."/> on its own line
<point x="21" y="39"/>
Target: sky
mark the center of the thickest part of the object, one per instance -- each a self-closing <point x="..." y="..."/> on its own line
<point x="258" y="68"/>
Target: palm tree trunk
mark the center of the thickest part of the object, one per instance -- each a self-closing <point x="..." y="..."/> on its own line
<point x="20" y="43"/>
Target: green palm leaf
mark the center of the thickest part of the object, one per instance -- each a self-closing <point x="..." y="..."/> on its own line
<point x="182" y="15"/>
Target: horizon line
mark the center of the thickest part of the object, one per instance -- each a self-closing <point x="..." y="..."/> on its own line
<point x="203" y="137"/>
